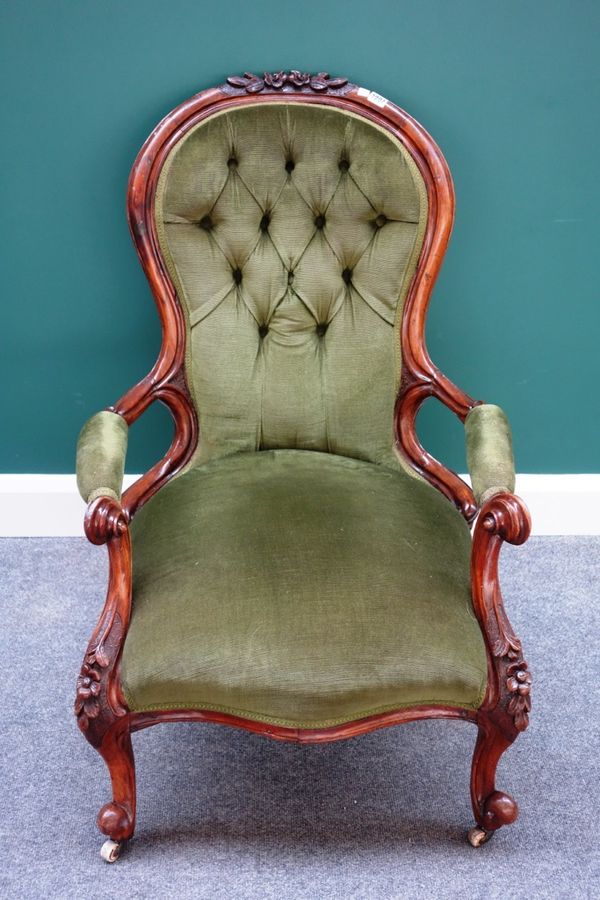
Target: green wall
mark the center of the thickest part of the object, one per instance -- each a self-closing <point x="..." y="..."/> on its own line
<point x="510" y="90"/>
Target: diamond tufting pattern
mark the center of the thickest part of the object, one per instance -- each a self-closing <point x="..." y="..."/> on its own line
<point x="291" y="232"/>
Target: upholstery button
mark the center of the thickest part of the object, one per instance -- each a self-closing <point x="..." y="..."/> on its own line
<point x="290" y="277"/>
<point x="290" y="165"/>
<point x="232" y="162"/>
<point x="347" y="275"/>
<point x="343" y="165"/>
<point x="265" y="222"/>
<point x="380" y="221"/>
<point x="320" y="221"/>
<point x="206" y="223"/>
<point x="237" y="276"/>
<point x="321" y="328"/>
<point x="263" y="330"/>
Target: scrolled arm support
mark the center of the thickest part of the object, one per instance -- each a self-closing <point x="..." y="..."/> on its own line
<point x="105" y="519"/>
<point x="176" y="398"/>
<point x="414" y="391"/>
<point x="506" y="516"/>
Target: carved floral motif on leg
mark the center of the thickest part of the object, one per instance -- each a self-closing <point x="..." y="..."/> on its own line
<point x="514" y="681"/>
<point x="505" y="518"/>
<point x="513" y="673"/>
<point x="518" y="684"/>
<point x="87" y="705"/>
<point x="93" y="708"/>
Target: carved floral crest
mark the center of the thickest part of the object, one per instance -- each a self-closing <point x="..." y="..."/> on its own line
<point x="280" y="81"/>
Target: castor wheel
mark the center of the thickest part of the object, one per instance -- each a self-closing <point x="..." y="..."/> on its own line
<point x="478" y="836"/>
<point x="111" y="850"/>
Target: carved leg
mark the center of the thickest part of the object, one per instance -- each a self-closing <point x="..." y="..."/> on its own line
<point x="492" y="808"/>
<point x="117" y="818"/>
<point x="507" y="703"/>
<point x="100" y="708"/>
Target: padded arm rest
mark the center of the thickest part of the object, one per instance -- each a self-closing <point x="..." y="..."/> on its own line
<point x="101" y="451"/>
<point x="489" y="452"/>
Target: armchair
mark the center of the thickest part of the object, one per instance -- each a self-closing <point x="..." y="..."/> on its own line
<point x="297" y="564"/>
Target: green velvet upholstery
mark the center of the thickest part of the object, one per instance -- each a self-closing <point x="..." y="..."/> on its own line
<point x="489" y="452"/>
<point x="101" y="451"/>
<point x="292" y="232"/>
<point x="295" y="573"/>
<point x="302" y="589"/>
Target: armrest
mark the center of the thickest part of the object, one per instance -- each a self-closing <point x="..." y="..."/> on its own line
<point x="489" y="452"/>
<point x="101" y="451"/>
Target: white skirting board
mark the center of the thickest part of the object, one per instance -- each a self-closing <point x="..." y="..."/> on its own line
<point x="49" y="505"/>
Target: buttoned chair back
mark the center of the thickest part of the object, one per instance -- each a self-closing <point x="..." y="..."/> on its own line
<point x="291" y="232"/>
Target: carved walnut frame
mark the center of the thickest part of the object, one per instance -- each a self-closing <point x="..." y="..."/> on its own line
<point x="100" y="706"/>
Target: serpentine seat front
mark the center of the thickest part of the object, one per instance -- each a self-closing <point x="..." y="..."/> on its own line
<point x="301" y="589"/>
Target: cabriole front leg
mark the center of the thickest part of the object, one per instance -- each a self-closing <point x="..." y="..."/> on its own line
<point x="102" y="714"/>
<point x="117" y="818"/>
<point x="492" y="808"/>
<point x="505" y="709"/>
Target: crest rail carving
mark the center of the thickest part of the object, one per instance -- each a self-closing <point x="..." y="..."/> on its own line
<point x="291" y="81"/>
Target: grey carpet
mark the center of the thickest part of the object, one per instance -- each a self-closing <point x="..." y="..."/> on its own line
<point x="225" y="814"/>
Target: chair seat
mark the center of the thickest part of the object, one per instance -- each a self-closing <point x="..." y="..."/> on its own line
<point x="301" y="589"/>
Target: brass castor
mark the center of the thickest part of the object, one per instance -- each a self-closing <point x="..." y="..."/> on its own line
<point x="111" y="850"/>
<point x="478" y="836"/>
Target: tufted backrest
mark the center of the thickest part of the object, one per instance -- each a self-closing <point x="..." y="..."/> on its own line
<point x="291" y="232"/>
